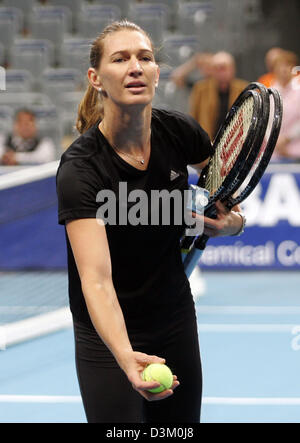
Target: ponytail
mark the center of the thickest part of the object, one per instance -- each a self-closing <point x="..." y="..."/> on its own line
<point x="90" y="110"/>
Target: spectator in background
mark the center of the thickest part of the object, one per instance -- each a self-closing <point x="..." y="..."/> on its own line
<point x="200" y="61"/>
<point x="288" y="145"/>
<point x="211" y="98"/>
<point x="270" y="59"/>
<point x="24" y="146"/>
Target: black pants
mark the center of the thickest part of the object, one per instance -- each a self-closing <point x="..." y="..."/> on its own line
<point x="108" y="396"/>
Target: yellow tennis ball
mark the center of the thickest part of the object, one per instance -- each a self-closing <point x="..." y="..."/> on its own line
<point x="160" y="373"/>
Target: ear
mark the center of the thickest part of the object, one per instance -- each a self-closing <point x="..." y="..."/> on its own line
<point x="94" y="78"/>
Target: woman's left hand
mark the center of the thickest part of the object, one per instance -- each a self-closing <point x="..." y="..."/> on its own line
<point x="227" y="222"/>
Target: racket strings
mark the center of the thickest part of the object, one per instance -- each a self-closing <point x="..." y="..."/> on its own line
<point x="261" y="152"/>
<point x="229" y="146"/>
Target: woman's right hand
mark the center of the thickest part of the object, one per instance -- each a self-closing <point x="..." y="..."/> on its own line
<point x="133" y="363"/>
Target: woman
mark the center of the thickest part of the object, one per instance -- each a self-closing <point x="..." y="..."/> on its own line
<point x="129" y="296"/>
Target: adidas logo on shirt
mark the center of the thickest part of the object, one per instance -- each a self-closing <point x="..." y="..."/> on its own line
<point x="173" y="175"/>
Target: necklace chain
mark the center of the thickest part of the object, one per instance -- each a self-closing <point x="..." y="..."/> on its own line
<point x="140" y="160"/>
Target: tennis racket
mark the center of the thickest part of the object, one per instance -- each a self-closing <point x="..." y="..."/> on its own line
<point x="243" y="129"/>
<point x="255" y="172"/>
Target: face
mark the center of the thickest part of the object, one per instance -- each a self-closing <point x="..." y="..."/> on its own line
<point x="128" y="73"/>
<point x="223" y="72"/>
<point x="271" y="57"/>
<point x="25" y="125"/>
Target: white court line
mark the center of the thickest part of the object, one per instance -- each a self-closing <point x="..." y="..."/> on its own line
<point x="239" y="401"/>
<point x="249" y="310"/>
<point x="28" y="329"/>
<point x="256" y="401"/>
<point x="17" y="332"/>
<point x="40" y="399"/>
<point x="213" y="327"/>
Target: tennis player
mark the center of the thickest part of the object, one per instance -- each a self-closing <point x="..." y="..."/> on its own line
<point x="129" y="296"/>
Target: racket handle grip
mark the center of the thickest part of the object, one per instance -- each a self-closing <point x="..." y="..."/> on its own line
<point x="229" y="202"/>
<point x="186" y="242"/>
<point x="191" y="261"/>
<point x="186" y="246"/>
<point x="200" y="242"/>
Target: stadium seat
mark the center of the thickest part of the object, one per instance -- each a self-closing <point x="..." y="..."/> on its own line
<point x="56" y="81"/>
<point x="75" y="52"/>
<point x="11" y="22"/>
<point x="172" y="11"/>
<point x="123" y="5"/>
<point x="195" y="18"/>
<point x="73" y="5"/>
<point x="18" y="80"/>
<point x="24" y="5"/>
<point x="152" y="18"/>
<point x="32" y="55"/>
<point x="93" y="19"/>
<point x="51" y="23"/>
<point x="6" y="118"/>
<point x="49" y="123"/>
<point x="178" y="48"/>
<point x="18" y="100"/>
<point x="69" y="107"/>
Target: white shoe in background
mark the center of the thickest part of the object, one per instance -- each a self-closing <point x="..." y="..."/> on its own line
<point x="197" y="283"/>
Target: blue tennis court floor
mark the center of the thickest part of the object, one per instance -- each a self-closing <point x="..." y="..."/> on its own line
<point x="249" y="331"/>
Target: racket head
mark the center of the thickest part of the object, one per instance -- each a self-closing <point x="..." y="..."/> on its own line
<point x="256" y="163"/>
<point x="264" y="92"/>
<point x="232" y="146"/>
<point x="257" y="141"/>
<point x="266" y="150"/>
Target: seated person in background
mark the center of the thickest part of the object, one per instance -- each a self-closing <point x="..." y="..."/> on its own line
<point x="24" y="146"/>
<point x="288" y="145"/>
<point x="211" y="98"/>
<point x="270" y="59"/>
<point x="200" y="61"/>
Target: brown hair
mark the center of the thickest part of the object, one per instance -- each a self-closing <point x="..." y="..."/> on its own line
<point x="90" y="110"/>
